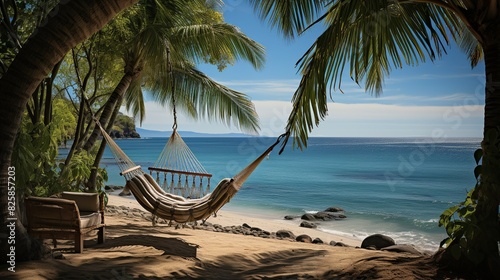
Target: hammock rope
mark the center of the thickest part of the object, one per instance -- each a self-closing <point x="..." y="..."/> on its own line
<point x="176" y="208"/>
<point x="178" y="161"/>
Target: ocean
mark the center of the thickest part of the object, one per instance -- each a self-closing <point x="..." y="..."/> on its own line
<point x="393" y="186"/>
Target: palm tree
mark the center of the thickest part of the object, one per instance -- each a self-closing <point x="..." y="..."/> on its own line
<point x="180" y="36"/>
<point x="160" y="29"/>
<point x="70" y="23"/>
<point x="370" y="38"/>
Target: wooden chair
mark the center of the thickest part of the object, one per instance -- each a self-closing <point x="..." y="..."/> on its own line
<point x="70" y="217"/>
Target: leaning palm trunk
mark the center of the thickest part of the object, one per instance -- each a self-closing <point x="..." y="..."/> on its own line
<point x="107" y="113"/>
<point x="108" y="117"/>
<point x="92" y="181"/>
<point x="70" y="24"/>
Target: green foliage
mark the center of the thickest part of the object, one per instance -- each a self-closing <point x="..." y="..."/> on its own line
<point x="125" y="122"/>
<point x="38" y="168"/>
<point x="124" y="127"/>
<point x="76" y="173"/>
<point x="34" y="157"/>
<point x="64" y="119"/>
<point x="19" y="19"/>
<point x="463" y="226"/>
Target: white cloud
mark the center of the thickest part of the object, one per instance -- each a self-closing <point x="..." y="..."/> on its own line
<point x="344" y="120"/>
<point x="379" y="120"/>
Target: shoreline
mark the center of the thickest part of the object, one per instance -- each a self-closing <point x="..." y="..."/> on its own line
<point x="234" y="215"/>
<point x="228" y="218"/>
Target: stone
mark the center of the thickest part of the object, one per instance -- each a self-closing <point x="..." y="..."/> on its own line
<point x="290" y="217"/>
<point x="208" y="224"/>
<point x="134" y="134"/>
<point x="328" y="216"/>
<point x="265" y="234"/>
<point x="378" y="241"/>
<point x="402" y="248"/>
<point x="112" y="188"/>
<point x="334" y="209"/>
<point x="324" y="216"/>
<point x="332" y="243"/>
<point x="317" y="241"/>
<point x="308" y="217"/>
<point x="341" y="244"/>
<point x="285" y="234"/>
<point x="125" y="192"/>
<point x="255" y="229"/>
<point x="304" y="238"/>
<point x="307" y="224"/>
<point x="58" y="255"/>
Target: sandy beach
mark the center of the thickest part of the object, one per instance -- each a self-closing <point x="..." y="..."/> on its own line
<point x="135" y="249"/>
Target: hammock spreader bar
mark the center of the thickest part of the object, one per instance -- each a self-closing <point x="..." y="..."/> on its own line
<point x="176" y="158"/>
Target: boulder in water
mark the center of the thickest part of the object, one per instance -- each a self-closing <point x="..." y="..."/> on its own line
<point x="378" y="241"/>
<point x="307" y="224"/>
<point x="334" y="209"/>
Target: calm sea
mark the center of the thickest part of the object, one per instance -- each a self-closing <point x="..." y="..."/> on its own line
<point x="393" y="186"/>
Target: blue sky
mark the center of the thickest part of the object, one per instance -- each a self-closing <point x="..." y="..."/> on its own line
<point x="444" y="97"/>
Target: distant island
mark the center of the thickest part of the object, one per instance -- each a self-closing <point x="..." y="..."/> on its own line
<point x="124" y="127"/>
<point x="146" y="133"/>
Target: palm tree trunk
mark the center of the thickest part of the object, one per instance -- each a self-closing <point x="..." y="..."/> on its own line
<point x="92" y="182"/>
<point x="108" y="117"/>
<point x="47" y="115"/>
<point x="78" y="132"/>
<point x="109" y="107"/>
<point x="70" y="23"/>
<point x="489" y="188"/>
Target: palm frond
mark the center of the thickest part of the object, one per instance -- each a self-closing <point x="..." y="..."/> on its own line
<point x="290" y="17"/>
<point x="209" y="99"/>
<point x="134" y="100"/>
<point x="470" y="45"/>
<point x="195" y="42"/>
<point x="369" y="38"/>
<point x="166" y="33"/>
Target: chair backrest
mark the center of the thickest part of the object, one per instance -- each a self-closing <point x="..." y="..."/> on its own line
<point x="43" y="212"/>
<point x="86" y="202"/>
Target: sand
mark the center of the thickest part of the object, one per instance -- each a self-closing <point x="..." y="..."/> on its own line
<point x="135" y="249"/>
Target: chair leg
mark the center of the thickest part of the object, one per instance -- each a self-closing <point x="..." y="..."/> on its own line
<point x="78" y="243"/>
<point x="100" y="235"/>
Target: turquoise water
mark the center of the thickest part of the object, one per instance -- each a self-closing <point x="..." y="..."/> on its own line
<point x="393" y="186"/>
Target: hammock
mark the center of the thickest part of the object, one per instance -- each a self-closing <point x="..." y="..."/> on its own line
<point x="178" y="171"/>
<point x="173" y="207"/>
